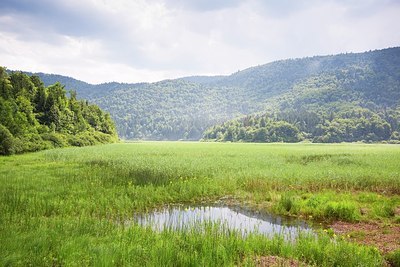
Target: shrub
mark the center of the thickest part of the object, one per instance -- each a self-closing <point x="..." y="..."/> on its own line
<point x="287" y="203"/>
<point x="393" y="258"/>
<point x="31" y="143"/>
<point x="387" y="210"/>
<point x="103" y="138"/>
<point x="77" y="141"/>
<point x="82" y="139"/>
<point x="57" y="140"/>
<point x="341" y="211"/>
<point x="7" y="145"/>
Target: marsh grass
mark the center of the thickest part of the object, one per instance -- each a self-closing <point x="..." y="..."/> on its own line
<point x="62" y="206"/>
<point x="393" y="258"/>
<point x="87" y="241"/>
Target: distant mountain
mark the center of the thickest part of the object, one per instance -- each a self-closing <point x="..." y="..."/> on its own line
<point x="343" y="98"/>
<point x="85" y="90"/>
<point x="184" y="108"/>
<point x="203" y="79"/>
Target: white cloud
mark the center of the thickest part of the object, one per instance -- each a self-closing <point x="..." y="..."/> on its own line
<point x="133" y="41"/>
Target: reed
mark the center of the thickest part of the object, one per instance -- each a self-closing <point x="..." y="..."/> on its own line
<point x="64" y="206"/>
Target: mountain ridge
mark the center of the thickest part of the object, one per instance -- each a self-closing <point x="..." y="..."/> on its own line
<point x="183" y="108"/>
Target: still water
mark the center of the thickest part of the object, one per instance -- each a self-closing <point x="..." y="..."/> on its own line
<point x="241" y="220"/>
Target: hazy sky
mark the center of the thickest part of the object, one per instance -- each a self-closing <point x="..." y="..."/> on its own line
<point x="136" y="40"/>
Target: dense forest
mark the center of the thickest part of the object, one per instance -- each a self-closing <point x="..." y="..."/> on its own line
<point x="348" y="105"/>
<point x="321" y="98"/>
<point x="34" y="117"/>
<point x="165" y="110"/>
<point x="351" y="124"/>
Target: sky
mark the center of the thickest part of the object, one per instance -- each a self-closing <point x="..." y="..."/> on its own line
<point x="144" y="41"/>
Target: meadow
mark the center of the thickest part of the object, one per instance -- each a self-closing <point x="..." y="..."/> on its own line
<point x="68" y="206"/>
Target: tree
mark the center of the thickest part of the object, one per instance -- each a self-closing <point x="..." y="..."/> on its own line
<point x="33" y="117"/>
<point x="6" y="141"/>
<point x="22" y="85"/>
<point x="5" y="84"/>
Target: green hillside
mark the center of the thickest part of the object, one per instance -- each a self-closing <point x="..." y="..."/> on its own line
<point x="166" y="110"/>
<point x="356" y="99"/>
<point x="34" y="117"/>
<point x="321" y="91"/>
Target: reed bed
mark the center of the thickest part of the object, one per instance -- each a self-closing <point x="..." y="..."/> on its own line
<point x="64" y="206"/>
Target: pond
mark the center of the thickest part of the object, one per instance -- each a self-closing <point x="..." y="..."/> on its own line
<point x="233" y="218"/>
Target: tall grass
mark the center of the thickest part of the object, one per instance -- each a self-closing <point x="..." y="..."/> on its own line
<point x="88" y="241"/>
<point x="298" y="166"/>
<point x="64" y="206"/>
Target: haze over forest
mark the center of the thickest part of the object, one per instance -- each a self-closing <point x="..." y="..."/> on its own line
<point x="347" y="95"/>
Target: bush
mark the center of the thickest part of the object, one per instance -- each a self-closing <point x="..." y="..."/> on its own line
<point x="393" y="258"/>
<point x="7" y="144"/>
<point x="31" y="143"/>
<point x="57" y="140"/>
<point x="77" y="141"/>
<point x="82" y="139"/>
<point x="341" y="211"/>
<point x="287" y="203"/>
<point x="103" y="138"/>
<point x="388" y="211"/>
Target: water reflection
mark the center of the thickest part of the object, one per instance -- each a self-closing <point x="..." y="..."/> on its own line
<point x="178" y="218"/>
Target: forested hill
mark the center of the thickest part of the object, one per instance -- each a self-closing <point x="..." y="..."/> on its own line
<point x="354" y="97"/>
<point x="34" y="117"/>
<point x="85" y="90"/>
<point x="312" y="94"/>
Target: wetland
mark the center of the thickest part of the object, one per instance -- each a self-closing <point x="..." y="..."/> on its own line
<point x="60" y="206"/>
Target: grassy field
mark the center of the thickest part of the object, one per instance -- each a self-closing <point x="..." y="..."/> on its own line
<point x="67" y="206"/>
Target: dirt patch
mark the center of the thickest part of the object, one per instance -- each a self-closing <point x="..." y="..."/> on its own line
<point x="275" y="261"/>
<point x="397" y="211"/>
<point x="385" y="237"/>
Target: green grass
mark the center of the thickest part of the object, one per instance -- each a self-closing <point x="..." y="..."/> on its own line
<point x="394" y="258"/>
<point x="65" y="206"/>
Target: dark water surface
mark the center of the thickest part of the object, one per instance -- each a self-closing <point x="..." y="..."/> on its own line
<point x="233" y="218"/>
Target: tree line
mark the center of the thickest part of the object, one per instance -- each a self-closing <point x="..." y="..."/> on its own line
<point x="316" y="95"/>
<point x="359" y="124"/>
<point x="34" y="117"/>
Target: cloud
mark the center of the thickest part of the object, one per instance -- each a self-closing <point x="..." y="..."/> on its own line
<point x="132" y="41"/>
<point x="56" y="16"/>
<point x="204" y="5"/>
